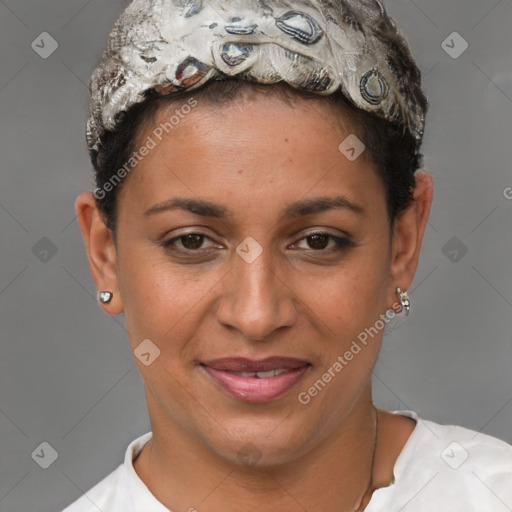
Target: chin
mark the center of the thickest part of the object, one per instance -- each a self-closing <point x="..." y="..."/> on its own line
<point x="260" y="443"/>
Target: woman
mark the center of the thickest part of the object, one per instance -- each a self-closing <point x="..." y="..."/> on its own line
<point x="258" y="219"/>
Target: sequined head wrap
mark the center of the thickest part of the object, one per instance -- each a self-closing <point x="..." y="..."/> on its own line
<point x="318" y="46"/>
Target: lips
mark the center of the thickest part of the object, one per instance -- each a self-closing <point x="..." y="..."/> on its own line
<point x="256" y="381"/>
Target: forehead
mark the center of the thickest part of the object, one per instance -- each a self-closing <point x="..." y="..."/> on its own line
<point x="247" y="116"/>
<point x="260" y="148"/>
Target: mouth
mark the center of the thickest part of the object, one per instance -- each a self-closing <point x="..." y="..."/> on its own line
<point x="256" y="381"/>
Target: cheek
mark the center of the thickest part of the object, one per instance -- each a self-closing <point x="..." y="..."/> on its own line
<point x="345" y="311"/>
<point x="161" y="299"/>
<point x="350" y="297"/>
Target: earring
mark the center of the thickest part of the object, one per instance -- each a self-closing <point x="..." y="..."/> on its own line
<point x="105" y="296"/>
<point x="394" y="319"/>
<point x="404" y="300"/>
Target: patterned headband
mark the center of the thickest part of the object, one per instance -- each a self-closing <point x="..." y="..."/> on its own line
<point x="318" y="46"/>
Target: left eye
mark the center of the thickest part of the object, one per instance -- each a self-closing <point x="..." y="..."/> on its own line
<point x="319" y="241"/>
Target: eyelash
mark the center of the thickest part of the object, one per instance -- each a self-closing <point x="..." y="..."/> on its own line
<point x="341" y="243"/>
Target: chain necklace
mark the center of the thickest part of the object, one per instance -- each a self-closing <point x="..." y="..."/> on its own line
<point x="358" y="507"/>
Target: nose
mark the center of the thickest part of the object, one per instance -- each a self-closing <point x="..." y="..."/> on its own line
<point x="255" y="299"/>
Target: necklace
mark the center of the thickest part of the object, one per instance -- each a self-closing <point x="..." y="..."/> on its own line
<point x="368" y="488"/>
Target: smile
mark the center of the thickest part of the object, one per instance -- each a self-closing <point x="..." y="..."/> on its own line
<point x="256" y="381"/>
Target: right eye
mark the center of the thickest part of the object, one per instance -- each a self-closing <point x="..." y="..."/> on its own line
<point x="190" y="242"/>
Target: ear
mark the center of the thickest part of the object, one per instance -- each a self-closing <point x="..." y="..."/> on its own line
<point x="101" y="251"/>
<point x="408" y="232"/>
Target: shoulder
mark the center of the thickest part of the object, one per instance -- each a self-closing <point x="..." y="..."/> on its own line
<point x="120" y="490"/>
<point x="458" y="446"/>
<point x="103" y="496"/>
<point x="452" y="467"/>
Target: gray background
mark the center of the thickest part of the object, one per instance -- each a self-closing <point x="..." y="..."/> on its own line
<point x="66" y="372"/>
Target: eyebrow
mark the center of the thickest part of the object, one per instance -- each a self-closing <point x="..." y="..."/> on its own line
<point x="298" y="209"/>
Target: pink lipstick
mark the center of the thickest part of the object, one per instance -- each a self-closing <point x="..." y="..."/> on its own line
<point x="256" y="381"/>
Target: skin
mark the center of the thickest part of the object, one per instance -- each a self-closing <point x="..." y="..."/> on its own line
<point x="294" y="300"/>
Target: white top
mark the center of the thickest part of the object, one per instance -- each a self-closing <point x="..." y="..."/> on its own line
<point x="441" y="468"/>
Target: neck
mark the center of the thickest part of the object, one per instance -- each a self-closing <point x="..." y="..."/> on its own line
<point x="183" y="474"/>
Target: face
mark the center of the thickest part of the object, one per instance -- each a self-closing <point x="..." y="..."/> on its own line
<point x="277" y="246"/>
